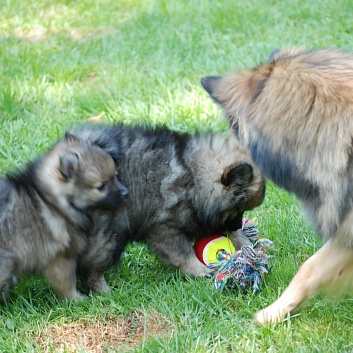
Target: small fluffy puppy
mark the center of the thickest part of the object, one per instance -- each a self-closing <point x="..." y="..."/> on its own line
<point x="45" y="212"/>
<point x="181" y="188"/>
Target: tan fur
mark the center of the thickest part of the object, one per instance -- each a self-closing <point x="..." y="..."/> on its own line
<point x="295" y="114"/>
<point x="47" y="210"/>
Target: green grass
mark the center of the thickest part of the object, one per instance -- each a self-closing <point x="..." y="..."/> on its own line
<point x="141" y="60"/>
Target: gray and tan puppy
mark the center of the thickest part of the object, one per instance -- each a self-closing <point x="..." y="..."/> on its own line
<point x="181" y="188"/>
<point x="295" y="115"/>
<point x="45" y="212"/>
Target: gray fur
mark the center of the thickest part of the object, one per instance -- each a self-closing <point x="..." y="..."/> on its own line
<point x="45" y="213"/>
<point x="181" y="188"/>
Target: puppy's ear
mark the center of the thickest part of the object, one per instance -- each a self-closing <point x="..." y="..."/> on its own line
<point x="210" y="84"/>
<point x="69" y="164"/>
<point x="112" y="147"/>
<point x="238" y="174"/>
<point x="71" y="138"/>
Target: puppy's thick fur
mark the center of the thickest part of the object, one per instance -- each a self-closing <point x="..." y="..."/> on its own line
<point x="181" y="188"/>
<point x="295" y="115"/>
<point x="45" y="212"/>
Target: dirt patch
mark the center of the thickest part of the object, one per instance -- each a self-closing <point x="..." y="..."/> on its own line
<point x="43" y="34"/>
<point x="87" y="335"/>
<point x="33" y="35"/>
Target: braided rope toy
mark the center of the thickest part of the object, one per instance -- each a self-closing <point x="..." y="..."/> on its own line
<point x="244" y="268"/>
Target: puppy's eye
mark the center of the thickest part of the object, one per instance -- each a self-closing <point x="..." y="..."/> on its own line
<point x="102" y="187"/>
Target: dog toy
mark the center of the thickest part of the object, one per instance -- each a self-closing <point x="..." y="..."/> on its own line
<point x="243" y="268"/>
<point x="214" y="250"/>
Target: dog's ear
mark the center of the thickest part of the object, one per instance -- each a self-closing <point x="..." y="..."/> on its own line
<point x="69" y="137"/>
<point x="112" y="147"/>
<point x="273" y="55"/>
<point x="232" y="91"/>
<point x="238" y="174"/>
<point x="210" y="84"/>
<point x="235" y="91"/>
<point x="69" y="164"/>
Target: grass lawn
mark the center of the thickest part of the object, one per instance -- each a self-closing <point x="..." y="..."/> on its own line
<point x="62" y="62"/>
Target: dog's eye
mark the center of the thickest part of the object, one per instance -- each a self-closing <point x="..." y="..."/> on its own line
<point x="102" y="187"/>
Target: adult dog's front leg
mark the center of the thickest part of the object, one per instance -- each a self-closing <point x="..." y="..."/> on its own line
<point x="327" y="265"/>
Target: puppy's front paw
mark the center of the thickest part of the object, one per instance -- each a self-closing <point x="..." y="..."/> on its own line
<point x="195" y="268"/>
<point x="99" y="285"/>
<point x="76" y="296"/>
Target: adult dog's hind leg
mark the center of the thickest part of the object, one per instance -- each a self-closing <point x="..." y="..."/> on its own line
<point x="327" y="265"/>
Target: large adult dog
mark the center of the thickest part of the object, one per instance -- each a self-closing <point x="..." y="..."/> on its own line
<point x="295" y="114"/>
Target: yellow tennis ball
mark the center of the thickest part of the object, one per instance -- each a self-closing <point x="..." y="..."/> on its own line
<point x="214" y="249"/>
